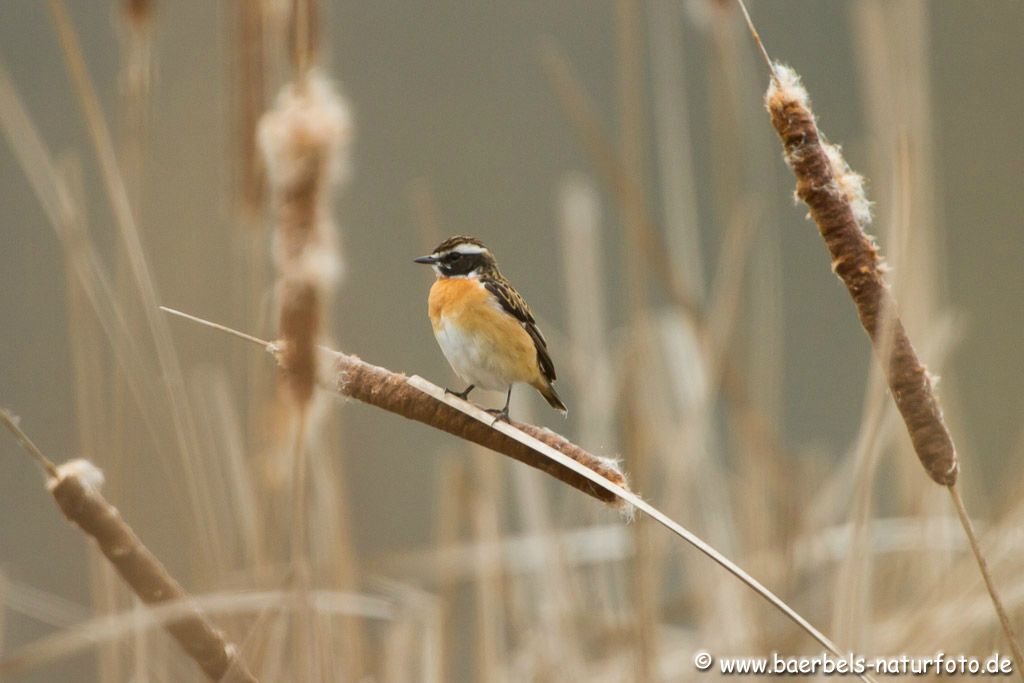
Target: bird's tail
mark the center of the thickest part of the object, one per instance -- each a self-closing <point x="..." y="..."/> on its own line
<point x="554" y="400"/>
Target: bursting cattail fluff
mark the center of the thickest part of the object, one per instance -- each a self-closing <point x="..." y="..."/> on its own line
<point x="834" y="195"/>
<point x="305" y="141"/>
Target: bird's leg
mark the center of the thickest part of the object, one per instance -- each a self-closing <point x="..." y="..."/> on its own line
<point x="461" y="394"/>
<point x="503" y="413"/>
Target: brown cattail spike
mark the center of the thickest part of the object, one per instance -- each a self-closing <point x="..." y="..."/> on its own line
<point x="138" y="11"/>
<point x="391" y="391"/>
<point x="300" y="322"/>
<point x="835" y="197"/>
<point x="349" y="376"/>
<point x="305" y="139"/>
<point x="75" y="487"/>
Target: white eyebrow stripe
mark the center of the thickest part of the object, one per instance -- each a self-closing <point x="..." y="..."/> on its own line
<point x="469" y="249"/>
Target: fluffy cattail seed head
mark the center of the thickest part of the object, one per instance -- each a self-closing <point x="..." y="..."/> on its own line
<point x="305" y="141"/>
<point x="835" y="198"/>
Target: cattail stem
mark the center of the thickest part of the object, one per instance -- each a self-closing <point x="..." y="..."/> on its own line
<point x="986" y="575"/>
<point x="835" y="197"/>
<point x="299" y="484"/>
<point x="75" y="487"/>
<point x="304" y="141"/>
<point x="304" y="37"/>
<point x="396" y="393"/>
<point x="250" y="75"/>
<point x="26" y="443"/>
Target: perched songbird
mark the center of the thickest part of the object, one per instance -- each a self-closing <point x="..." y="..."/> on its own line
<point x="484" y="326"/>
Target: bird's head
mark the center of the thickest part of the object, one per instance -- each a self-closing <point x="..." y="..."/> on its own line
<point x="461" y="256"/>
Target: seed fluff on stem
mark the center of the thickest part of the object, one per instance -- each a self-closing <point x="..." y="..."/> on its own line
<point x="835" y="198"/>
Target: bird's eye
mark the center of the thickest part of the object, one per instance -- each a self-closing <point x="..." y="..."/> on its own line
<point x="455" y="257"/>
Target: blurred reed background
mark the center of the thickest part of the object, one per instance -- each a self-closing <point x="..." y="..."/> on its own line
<point x="617" y="158"/>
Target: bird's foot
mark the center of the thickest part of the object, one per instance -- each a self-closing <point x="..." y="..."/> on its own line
<point x="499" y="415"/>
<point x="464" y="394"/>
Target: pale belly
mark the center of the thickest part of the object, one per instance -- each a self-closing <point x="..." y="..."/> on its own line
<point x="474" y="360"/>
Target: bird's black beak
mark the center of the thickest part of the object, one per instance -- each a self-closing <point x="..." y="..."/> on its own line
<point x="426" y="259"/>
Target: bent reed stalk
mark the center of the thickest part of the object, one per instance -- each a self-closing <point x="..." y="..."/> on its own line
<point x="835" y="197"/>
<point x="417" y="399"/>
<point x="75" y="487"/>
<point x="350" y="376"/>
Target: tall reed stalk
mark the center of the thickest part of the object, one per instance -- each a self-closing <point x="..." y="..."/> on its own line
<point x="838" y="206"/>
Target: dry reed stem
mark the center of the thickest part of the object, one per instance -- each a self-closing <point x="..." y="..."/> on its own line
<point x="403" y="395"/>
<point x="672" y="142"/>
<point x="75" y="487"/>
<point x="137" y="11"/>
<point x="305" y="37"/>
<point x="588" y="331"/>
<point x="3" y="612"/>
<point x="450" y="560"/>
<point x="417" y="399"/>
<point x="303" y="141"/>
<point x="986" y="575"/>
<point x="555" y="599"/>
<point x="452" y="495"/>
<point x="185" y="432"/>
<point x="250" y="72"/>
<point x="40" y="605"/>
<point x="92" y="386"/>
<point x="84" y="634"/>
<point x="425" y="214"/>
<point x="136" y="75"/>
<point x="490" y="589"/>
<point x="60" y="197"/>
<point x="630" y="84"/>
<point x="579" y="110"/>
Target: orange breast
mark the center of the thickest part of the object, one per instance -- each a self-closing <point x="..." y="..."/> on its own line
<point x="506" y="346"/>
<point x="453" y="297"/>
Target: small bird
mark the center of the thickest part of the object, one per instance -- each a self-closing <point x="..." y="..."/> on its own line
<point x="483" y="325"/>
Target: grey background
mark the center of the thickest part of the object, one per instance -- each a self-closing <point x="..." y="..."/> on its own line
<point x="452" y="92"/>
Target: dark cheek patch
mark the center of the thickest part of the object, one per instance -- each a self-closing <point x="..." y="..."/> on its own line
<point x="460" y="266"/>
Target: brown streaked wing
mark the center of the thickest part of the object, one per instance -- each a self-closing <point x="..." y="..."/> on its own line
<point x="514" y="304"/>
